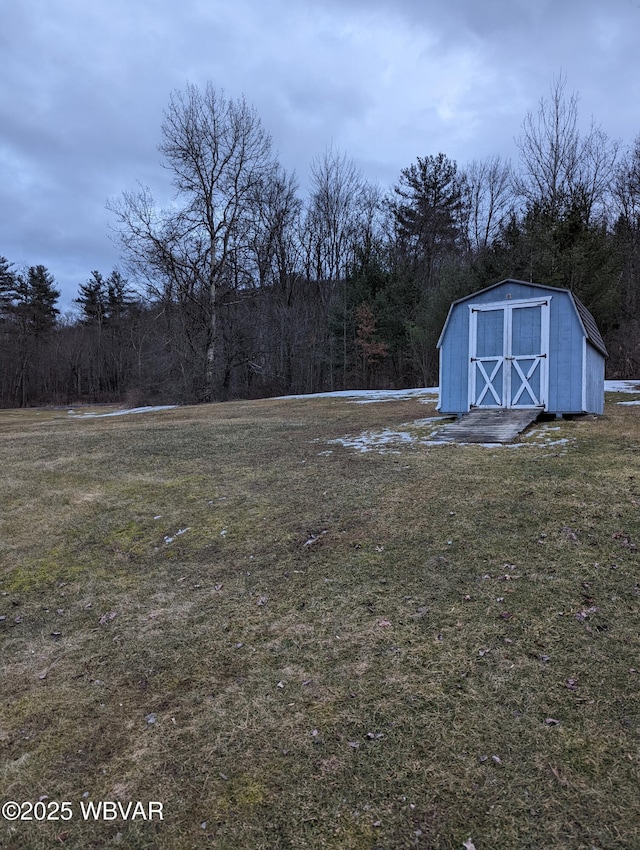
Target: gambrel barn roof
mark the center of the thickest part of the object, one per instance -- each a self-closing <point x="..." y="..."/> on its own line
<point x="587" y="321"/>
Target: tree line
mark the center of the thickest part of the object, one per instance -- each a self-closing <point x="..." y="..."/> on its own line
<point x="243" y="288"/>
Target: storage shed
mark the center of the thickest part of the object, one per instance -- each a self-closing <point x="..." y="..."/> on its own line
<point x="521" y="345"/>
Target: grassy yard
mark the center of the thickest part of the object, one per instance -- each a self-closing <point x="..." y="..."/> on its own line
<point x="294" y="644"/>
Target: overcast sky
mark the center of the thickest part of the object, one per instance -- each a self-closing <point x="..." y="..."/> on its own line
<point x="83" y="86"/>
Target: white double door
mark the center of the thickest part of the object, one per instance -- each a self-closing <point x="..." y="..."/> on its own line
<point x="508" y="354"/>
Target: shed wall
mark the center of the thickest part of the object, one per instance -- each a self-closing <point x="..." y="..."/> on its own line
<point x="566" y="338"/>
<point x="454" y="363"/>
<point x="594" y="385"/>
<point x="575" y="367"/>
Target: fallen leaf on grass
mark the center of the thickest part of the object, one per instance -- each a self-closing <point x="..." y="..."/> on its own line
<point x="106" y="617"/>
<point x="384" y="623"/>
<point x="354" y="744"/>
<point x="468" y="844"/>
<point x="625" y="540"/>
<point x="314" y="539"/>
<point x="551" y="722"/>
<point x="496" y="759"/>
<point x="561" y="779"/>
<point x="581" y="616"/>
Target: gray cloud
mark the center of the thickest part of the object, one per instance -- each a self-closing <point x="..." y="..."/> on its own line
<point x="84" y="85"/>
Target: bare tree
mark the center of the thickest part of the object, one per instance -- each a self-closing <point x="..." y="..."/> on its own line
<point x="627" y="186"/>
<point x="597" y="172"/>
<point x="337" y="215"/>
<point x="559" y="167"/>
<point x="273" y="231"/>
<point x="332" y="217"/>
<point x="220" y="159"/>
<point x="625" y="346"/>
<point x="488" y="198"/>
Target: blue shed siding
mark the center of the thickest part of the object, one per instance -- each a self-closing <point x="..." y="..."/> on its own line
<point x="594" y="396"/>
<point x="454" y="368"/>
<point x="510" y="290"/>
<point x="575" y="368"/>
<point x="565" y="356"/>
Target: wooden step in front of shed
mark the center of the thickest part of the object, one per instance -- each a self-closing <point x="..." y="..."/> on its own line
<point x="486" y="425"/>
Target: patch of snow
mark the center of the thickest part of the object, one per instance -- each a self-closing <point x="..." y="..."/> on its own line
<point x="180" y="531"/>
<point x="369" y="396"/>
<point x="444" y="442"/>
<point x="419" y="423"/>
<point x="628" y="402"/>
<point x="622" y="386"/>
<point x="374" y="441"/>
<point x="149" y="409"/>
<point x="389" y="442"/>
<point x="426" y="394"/>
<point x="543" y="444"/>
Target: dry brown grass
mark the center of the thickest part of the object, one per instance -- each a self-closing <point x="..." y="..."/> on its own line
<point x="454" y="655"/>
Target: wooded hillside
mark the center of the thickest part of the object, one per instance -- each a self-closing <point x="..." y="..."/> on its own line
<point x="246" y="287"/>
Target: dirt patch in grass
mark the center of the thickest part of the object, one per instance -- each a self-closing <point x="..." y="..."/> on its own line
<point x="292" y="643"/>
